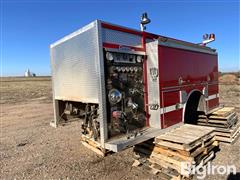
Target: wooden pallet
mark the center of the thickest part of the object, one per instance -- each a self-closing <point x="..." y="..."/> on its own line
<point x="166" y="173"/>
<point x="189" y="143"/>
<point x="215" y="121"/>
<point x="223" y="112"/>
<point x="93" y="145"/>
<point x="225" y="121"/>
<point x="191" y="156"/>
<point x="225" y="117"/>
<point x="229" y="135"/>
<point x="185" y="137"/>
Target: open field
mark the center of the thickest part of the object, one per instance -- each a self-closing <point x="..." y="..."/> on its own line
<point x="31" y="149"/>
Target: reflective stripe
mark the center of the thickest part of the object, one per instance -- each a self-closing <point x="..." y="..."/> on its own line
<point x="174" y="108"/>
<point x="212" y="97"/>
<point x="170" y="108"/>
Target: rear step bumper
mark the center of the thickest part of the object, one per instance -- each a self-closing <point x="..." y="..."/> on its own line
<point x="119" y="144"/>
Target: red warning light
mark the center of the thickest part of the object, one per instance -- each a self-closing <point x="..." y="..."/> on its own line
<point x="212" y="36"/>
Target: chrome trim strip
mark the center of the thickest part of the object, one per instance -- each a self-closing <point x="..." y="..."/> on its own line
<point x="187" y="85"/>
<point x="185" y="45"/>
<point x="75" y="33"/>
<point x="123" y="51"/>
<point x="214" y="96"/>
<point x="102" y="91"/>
<point x="174" y="108"/>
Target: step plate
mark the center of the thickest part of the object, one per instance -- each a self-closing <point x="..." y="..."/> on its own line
<point x="121" y="143"/>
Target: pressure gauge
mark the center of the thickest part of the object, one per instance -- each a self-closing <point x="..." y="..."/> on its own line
<point x="114" y="96"/>
<point x="109" y="56"/>
<point x="136" y="69"/>
<point x="131" y="69"/>
<point x="123" y="69"/>
<point x="118" y="69"/>
<point x="139" y="59"/>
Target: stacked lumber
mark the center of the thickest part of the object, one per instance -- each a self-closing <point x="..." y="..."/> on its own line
<point x="225" y="121"/>
<point x="191" y="144"/>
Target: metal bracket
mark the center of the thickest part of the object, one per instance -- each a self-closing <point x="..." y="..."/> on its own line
<point x="153" y="106"/>
<point x="154" y="73"/>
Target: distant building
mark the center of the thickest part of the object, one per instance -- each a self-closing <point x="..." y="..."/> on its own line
<point x="28" y="73"/>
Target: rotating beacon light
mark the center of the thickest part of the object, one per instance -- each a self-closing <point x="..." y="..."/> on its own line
<point x="144" y="20"/>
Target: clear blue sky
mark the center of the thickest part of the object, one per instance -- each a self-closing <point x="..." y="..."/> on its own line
<point x="29" y="27"/>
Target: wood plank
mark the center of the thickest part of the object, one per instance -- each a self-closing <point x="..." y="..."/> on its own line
<point x="224" y="111"/>
<point x="235" y="137"/>
<point x="184" y="143"/>
<point x="182" y="152"/>
<point x="199" y="150"/>
<point x="194" y="132"/>
<point x="228" y="135"/>
<point x="168" y="152"/>
<point x="164" y="164"/>
<point x="194" y="126"/>
<point x="220" y="117"/>
<point x="207" y="158"/>
<point x="172" y="138"/>
<point x="170" y="144"/>
<point x="168" y="173"/>
<point x="209" y="121"/>
<point x="191" y="129"/>
<point x="96" y="150"/>
<point x="211" y="125"/>
<point x="237" y="131"/>
<point x="170" y="160"/>
<point x="186" y="134"/>
<point x="167" y="165"/>
<point x="227" y="130"/>
<point x="223" y="139"/>
<point x="165" y="151"/>
<point x="199" y="143"/>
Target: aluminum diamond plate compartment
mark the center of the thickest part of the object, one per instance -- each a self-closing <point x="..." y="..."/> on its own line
<point x="75" y="61"/>
<point x="121" y="38"/>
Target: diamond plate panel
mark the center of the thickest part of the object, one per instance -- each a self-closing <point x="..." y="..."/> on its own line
<point x="153" y="84"/>
<point x="74" y="62"/>
<point x="121" y="38"/>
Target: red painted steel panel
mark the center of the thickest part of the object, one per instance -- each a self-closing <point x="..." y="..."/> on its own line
<point x="172" y="118"/>
<point x="212" y="89"/>
<point x="170" y="98"/>
<point x="213" y="103"/>
<point x="193" y="67"/>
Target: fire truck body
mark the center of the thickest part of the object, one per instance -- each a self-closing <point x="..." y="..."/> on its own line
<point x="127" y="86"/>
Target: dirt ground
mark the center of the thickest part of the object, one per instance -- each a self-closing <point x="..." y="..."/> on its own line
<point x="31" y="149"/>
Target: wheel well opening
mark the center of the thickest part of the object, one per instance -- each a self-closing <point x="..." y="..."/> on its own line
<point x="195" y="105"/>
